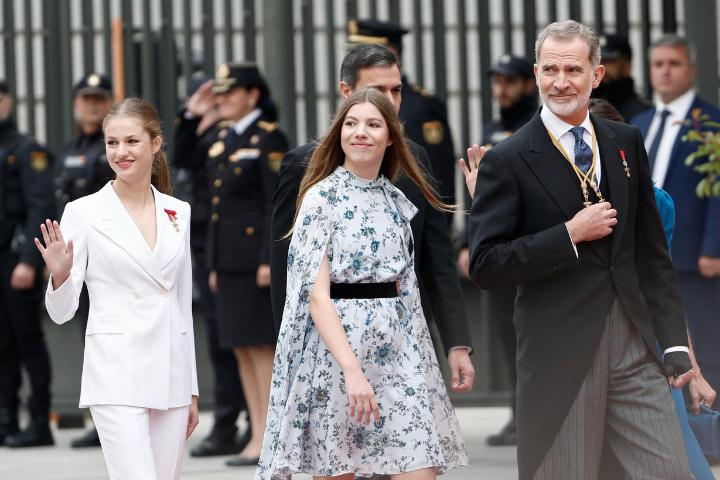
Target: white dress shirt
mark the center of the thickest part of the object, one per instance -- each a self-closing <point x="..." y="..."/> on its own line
<point x="561" y="130"/>
<point x="678" y="109"/>
<point x="246" y="121"/>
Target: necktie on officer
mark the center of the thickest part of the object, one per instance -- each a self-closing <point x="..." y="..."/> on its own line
<point x="583" y="153"/>
<point x="655" y="145"/>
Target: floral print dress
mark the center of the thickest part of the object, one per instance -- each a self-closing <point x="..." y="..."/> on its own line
<point x="364" y="226"/>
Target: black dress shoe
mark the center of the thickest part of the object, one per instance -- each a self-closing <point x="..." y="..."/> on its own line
<point x="216" y="444"/>
<point x="8" y="423"/>
<point x="90" y="439"/>
<point x="242" y="461"/>
<point x="35" y="435"/>
<point x="505" y="437"/>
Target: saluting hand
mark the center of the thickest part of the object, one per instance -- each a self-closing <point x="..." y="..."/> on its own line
<point x="470" y="168"/>
<point x="57" y="255"/>
<point x="202" y="100"/>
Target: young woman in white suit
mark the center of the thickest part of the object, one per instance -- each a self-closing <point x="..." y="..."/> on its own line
<point x="130" y="244"/>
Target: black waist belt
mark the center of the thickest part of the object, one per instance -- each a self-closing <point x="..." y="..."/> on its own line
<point x="363" y="290"/>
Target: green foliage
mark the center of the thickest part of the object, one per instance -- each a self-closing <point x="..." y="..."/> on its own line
<point x="706" y="159"/>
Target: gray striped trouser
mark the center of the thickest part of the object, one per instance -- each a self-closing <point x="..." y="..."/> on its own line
<point x="624" y="400"/>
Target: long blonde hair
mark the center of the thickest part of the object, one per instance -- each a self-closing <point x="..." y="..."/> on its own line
<point x="144" y="112"/>
<point x="398" y="159"/>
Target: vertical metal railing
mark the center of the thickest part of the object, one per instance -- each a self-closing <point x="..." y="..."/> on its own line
<point x="207" y="32"/>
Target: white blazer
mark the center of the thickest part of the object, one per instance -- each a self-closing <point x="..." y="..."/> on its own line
<point x="139" y="343"/>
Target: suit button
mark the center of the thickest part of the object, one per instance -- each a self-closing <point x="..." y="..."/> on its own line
<point x="215" y="217"/>
<point x="250" y="231"/>
<point x="217" y="183"/>
<point x="237" y="170"/>
<point x="215" y="200"/>
<point x="612" y="268"/>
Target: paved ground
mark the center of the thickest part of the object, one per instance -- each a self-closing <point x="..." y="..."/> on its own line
<point x="63" y="463"/>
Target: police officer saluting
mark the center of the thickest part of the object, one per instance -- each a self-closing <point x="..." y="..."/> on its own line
<point x="26" y="200"/>
<point x="242" y="164"/>
<point x="82" y="169"/>
<point x="423" y="115"/>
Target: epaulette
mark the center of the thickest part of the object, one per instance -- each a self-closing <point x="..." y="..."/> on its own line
<point x="268" y="126"/>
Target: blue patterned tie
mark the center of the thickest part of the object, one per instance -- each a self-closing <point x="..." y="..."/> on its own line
<point x="583" y="153"/>
<point x="655" y="145"/>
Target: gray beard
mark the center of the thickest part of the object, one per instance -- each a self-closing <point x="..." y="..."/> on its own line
<point x="565" y="108"/>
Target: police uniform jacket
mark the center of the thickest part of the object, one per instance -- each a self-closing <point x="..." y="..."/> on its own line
<point x="425" y="120"/>
<point x="190" y="152"/>
<point x="139" y="342"/>
<point x="82" y="168"/>
<point x="439" y="285"/>
<point x="242" y="172"/>
<point x="26" y="193"/>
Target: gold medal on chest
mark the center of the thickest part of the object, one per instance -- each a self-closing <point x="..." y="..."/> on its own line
<point x="216" y="149"/>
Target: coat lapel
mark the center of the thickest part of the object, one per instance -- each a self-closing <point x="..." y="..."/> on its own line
<point x="170" y="235"/>
<point x="552" y="170"/>
<point x="116" y="224"/>
<point x="614" y="174"/>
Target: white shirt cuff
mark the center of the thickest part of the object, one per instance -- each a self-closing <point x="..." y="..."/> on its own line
<point x="572" y="242"/>
<point x="457" y="347"/>
<point x="676" y="349"/>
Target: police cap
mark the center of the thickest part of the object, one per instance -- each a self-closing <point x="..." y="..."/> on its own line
<point x="230" y="75"/>
<point x="93" y="84"/>
<point x="613" y="47"/>
<point x="375" y="31"/>
<point x="512" y="66"/>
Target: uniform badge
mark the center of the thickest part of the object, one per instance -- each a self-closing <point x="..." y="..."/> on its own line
<point x="216" y="149"/>
<point x="433" y="132"/>
<point x="39" y="161"/>
<point x="75" y="161"/>
<point x="222" y="133"/>
<point x="254" y="139"/>
<point x="223" y="71"/>
<point x="93" y="80"/>
<point x="275" y="160"/>
<point x="244" y="153"/>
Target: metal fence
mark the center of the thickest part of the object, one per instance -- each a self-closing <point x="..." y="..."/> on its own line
<point x="48" y="44"/>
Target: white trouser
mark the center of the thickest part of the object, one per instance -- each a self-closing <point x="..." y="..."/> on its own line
<point x="141" y="443"/>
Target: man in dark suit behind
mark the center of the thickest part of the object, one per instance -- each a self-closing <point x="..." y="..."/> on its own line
<point x="374" y="66"/>
<point x="595" y="285"/>
<point x="696" y="243"/>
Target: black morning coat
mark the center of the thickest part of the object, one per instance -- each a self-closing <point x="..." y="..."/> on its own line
<point x="525" y="192"/>
<point x="434" y="259"/>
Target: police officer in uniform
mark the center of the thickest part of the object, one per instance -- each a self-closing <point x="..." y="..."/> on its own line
<point x="423" y="115"/>
<point x="515" y="91"/>
<point x="193" y="136"/>
<point x="242" y="162"/>
<point x="82" y="169"/>
<point x="26" y="200"/>
<point x="618" y="86"/>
